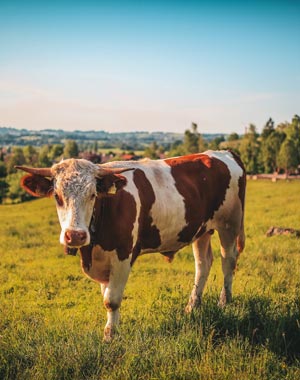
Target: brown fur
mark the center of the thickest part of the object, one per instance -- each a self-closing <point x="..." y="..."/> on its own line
<point x="202" y="181"/>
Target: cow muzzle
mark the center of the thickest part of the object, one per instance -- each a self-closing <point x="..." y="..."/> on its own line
<point x="76" y="238"/>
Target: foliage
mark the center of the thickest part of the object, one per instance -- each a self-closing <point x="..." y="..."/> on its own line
<point x="233" y="136"/>
<point x="44" y="157"/>
<point x="3" y="189"/>
<point x="71" y="149"/>
<point x="15" y="192"/>
<point x="287" y="158"/>
<point x="51" y="317"/>
<point x="152" y="151"/>
<point x="276" y="149"/>
<point x="249" y="150"/>
<point x="17" y="157"/>
<point x="270" y="147"/>
<point x="191" y="139"/>
<point x="3" y="171"/>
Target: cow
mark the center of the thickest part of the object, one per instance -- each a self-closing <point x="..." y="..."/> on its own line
<point x="117" y="211"/>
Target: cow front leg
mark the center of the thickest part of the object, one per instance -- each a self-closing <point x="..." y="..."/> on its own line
<point x="113" y="294"/>
<point x="203" y="260"/>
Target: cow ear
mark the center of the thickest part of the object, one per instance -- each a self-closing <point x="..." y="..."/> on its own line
<point x="110" y="183"/>
<point x="37" y="185"/>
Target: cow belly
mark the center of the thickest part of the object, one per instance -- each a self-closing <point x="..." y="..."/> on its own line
<point x="100" y="265"/>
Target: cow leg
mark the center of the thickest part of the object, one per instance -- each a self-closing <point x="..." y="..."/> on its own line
<point x="203" y="261"/>
<point x="229" y="255"/>
<point x="113" y="294"/>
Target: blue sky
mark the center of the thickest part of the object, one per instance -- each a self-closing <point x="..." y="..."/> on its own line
<point x="148" y="65"/>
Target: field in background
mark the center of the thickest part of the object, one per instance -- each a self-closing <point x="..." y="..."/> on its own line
<point x="52" y="318"/>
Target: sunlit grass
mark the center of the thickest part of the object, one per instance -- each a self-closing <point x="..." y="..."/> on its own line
<point x="52" y="318"/>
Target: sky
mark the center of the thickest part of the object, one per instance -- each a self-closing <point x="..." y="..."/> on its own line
<point x="148" y="65"/>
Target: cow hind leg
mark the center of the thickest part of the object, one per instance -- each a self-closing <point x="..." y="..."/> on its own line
<point x="203" y="260"/>
<point x="229" y="256"/>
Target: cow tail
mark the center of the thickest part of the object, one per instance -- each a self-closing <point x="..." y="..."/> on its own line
<point x="240" y="241"/>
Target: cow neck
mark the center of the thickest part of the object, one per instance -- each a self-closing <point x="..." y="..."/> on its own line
<point x="97" y="221"/>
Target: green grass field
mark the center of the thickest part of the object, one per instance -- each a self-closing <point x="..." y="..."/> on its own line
<point x="52" y="318"/>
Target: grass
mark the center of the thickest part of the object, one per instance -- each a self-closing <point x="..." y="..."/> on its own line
<point x="52" y="318"/>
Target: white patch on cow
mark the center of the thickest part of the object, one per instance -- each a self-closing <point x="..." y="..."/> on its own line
<point x="113" y="292"/>
<point x="169" y="220"/>
<point x="231" y="201"/>
<point x="132" y="189"/>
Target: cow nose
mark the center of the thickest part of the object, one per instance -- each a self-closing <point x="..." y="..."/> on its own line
<point x="75" y="238"/>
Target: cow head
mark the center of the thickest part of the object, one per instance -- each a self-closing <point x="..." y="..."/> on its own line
<point x="75" y="184"/>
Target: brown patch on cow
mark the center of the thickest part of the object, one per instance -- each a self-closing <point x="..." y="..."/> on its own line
<point x="148" y="234"/>
<point x="200" y="232"/>
<point x="111" y="306"/>
<point x="112" y="223"/>
<point x="242" y="179"/>
<point x="169" y="256"/>
<point x="202" y="181"/>
<point x="86" y="257"/>
<point x="96" y="263"/>
<point x="70" y="251"/>
<point x="105" y="183"/>
<point x="37" y="185"/>
<point x="242" y="189"/>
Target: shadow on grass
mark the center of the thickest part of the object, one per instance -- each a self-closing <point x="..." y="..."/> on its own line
<point x="274" y="325"/>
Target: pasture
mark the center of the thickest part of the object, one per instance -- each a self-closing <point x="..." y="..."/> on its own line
<point x="52" y="318"/>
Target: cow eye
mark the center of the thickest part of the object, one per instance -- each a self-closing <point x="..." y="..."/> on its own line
<point x="93" y="196"/>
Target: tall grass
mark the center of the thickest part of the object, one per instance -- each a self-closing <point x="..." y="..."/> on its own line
<point x="52" y="318"/>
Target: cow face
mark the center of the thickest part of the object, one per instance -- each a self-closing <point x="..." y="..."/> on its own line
<point x="74" y="190"/>
<point x="75" y="184"/>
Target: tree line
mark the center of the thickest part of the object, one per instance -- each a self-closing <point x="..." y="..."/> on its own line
<point x="275" y="149"/>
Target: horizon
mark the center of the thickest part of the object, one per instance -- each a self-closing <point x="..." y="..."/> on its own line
<point x="128" y="66"/>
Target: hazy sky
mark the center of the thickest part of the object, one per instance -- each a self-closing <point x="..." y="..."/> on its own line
<point x="148" y="65"/>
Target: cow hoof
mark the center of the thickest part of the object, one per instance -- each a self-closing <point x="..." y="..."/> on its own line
<point x="188" y="309"/>
<point x="108" y="334"/>
<point x="192" y="305"/>
<point x="225" y="298"/>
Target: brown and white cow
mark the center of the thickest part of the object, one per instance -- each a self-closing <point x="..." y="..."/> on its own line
<point x="117" y="211"/>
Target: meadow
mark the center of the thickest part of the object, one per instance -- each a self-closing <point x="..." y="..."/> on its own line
<point x="52" y="317"/>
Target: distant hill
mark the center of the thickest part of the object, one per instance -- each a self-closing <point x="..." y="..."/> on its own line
<point x="22" y="137"/>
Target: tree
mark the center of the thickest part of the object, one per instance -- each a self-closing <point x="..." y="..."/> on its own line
<point x="44" y="160"/>
<point x="287" y="158"/>
<point x="15" y="191"/>
<point x="233" y="136"/>
<point x="152" y="151"/>
<point x="292" y="132"/>
<point x="176" y="149"/>
<point x="3" y="189"/>
<point x="270" y="146"/>
<point x="215" y="143"/>
<point x="3" y="171"/>
<point x="31" y="155"/>
<point x="15" y="158"/>
<point x="56" y="152"/>
<point x="191" y="139"/>
<point x="71" y="149"/>
<point x="268" y="129"/>
<point x="249" y="150"/>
